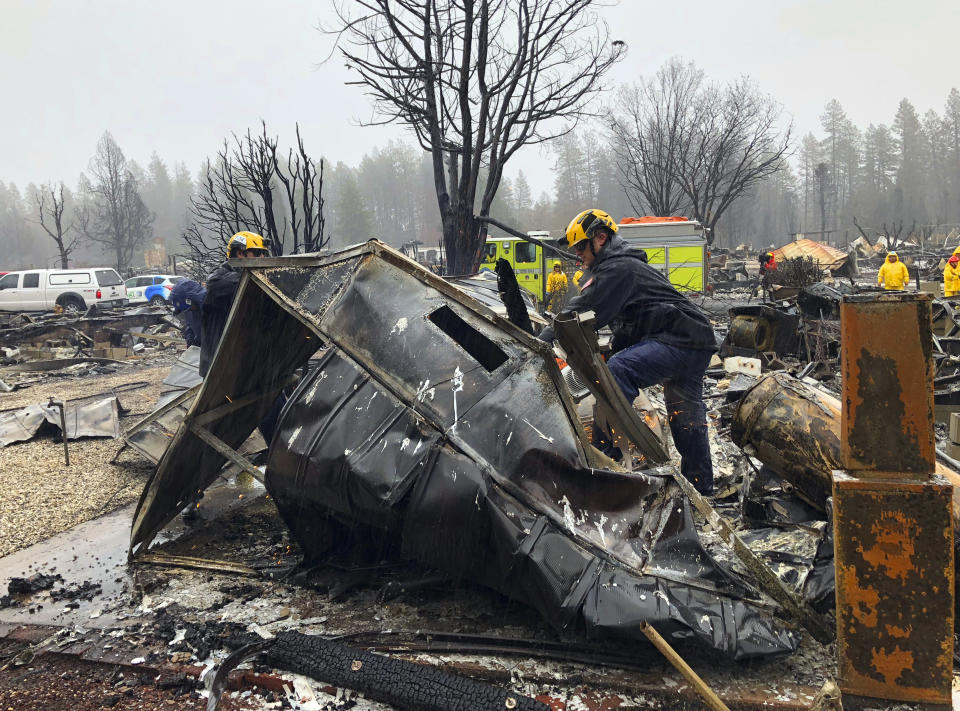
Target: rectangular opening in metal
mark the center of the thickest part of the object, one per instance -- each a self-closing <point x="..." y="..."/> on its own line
<point x="481" y="349"/>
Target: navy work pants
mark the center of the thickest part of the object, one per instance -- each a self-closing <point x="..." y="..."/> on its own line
<point x="680" y="370"/>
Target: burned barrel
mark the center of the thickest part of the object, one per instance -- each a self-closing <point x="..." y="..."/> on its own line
<point x="751" y="332"/>
<point x="794" y="429"/>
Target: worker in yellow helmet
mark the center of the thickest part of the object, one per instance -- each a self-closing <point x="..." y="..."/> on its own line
<point x="893" y="274"/>
<point x="659" y="336"/>
<point x="222" y="286"/>
<point x="951" y="277"/>
<point x="578" y="275"/>
<point x="556" y="289"/>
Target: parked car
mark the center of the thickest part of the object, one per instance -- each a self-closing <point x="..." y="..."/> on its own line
<point x="154" y="288"/>
<point x="74" y="290"/>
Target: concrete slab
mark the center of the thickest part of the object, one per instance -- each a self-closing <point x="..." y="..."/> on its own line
<point x="95" y="552"/>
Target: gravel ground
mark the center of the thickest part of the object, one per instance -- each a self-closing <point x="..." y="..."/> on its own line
<point x="39" y="496"/>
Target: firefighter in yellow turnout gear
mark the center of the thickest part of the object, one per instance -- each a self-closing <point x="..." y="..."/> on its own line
<point x="556" y="289"/>
<point x="893" y="275"/>
<point x="951" y="277"/>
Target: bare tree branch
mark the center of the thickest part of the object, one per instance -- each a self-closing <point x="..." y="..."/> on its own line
<point x="112" y="212"/>
<point x="249" y="187"/>
<point x="684" y="145"/>
<point x="51" y="205"/>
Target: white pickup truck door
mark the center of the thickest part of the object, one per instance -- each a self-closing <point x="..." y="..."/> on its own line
<point x="9" y="292"/>
<point x="31" y="292"/>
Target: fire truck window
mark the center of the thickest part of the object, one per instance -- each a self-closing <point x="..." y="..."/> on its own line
<point x="491" y="254"/>
<point x="526" y="252"/>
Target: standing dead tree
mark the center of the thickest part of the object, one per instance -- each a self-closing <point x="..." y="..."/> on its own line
<point x="679" y="135"/>
<point x="647" y="130"/>
<point x="249" y="187"/>
<point x="50" y="211"/>
<point x="112" y="212"/>
<point x="894" y="234"/>
<point x="476" y="80"/>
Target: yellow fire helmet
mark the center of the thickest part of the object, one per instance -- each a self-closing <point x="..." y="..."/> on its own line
<point x="583" y="225"/>
<point x="247" y="240"/>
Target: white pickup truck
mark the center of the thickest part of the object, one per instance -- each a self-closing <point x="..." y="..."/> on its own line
<point x="73" y="290"/>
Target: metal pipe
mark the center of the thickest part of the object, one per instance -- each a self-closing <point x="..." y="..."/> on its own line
<point x="63" y="428"/>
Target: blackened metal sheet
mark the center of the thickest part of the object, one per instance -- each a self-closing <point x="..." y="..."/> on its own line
<point x="383" y="317"/>
<point x="601" y="550"/>
<point x="311" y="287"/>
<point x="261" y="346"/>
<point x="448" y="432"/>
<point x="484" y="288"/>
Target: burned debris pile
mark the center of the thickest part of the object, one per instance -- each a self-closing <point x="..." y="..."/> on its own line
<point x="424" y="431"/>
<point x="442" y="433"/>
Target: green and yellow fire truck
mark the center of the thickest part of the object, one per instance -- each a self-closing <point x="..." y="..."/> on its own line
<point x="526" y="258"/>
<point x="674" y="245"/>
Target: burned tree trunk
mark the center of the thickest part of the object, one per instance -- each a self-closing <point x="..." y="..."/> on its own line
<point x="460" y="243"/>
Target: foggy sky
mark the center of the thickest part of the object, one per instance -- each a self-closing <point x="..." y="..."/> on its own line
<point x="177" y="77"/>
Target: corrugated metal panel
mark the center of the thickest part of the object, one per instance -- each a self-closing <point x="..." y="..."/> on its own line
<point x="829" y="257"/>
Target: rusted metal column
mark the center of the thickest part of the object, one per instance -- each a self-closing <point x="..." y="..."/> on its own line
<point x="887" y="368"/>
<point x="893" y="527"/>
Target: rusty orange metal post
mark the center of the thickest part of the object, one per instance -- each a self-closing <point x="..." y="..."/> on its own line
<point x="893" y="526"/>
<point x="887" y="367"/>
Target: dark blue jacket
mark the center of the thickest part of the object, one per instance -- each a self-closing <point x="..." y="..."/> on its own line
<point x="222" y="287"/>
<point x="637" y="302"/>
<point x="187" y="298"/>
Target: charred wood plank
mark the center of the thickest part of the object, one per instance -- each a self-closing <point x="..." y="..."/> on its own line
<point x="393" y="681"/>
<point x="398" y="682"/>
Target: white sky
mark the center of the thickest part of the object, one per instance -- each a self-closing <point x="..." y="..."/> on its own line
<point x="177" y="76"/>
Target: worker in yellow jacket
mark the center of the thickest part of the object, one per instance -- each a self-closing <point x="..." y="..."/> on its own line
<point x="951" y="277"/>
<point x="893" y="275"/>
<point x="556" y="289"/>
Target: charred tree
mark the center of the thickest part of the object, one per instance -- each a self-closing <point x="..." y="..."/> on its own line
<point x="398" y="682"/>
<point x="50" y="213"/>
<point x="680" y="137"/>
<point x="249" y="186"/>
<point x="113" y="213"/>
<point x="476" y="80"/>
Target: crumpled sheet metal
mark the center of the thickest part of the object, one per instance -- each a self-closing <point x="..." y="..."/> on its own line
<point x="151" y="435"/>
<point x="184" y="374"/>
<point x="96" y="416"/>
<point x="20" y="425"/>
<point x="588" y="548"/>
<point x="447" y="431"/>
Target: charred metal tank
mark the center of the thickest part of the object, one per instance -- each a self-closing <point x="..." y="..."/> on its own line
<point x="759" y="329"/>
<point x="794" y="429"/>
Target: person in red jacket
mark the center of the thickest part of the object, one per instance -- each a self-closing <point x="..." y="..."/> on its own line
<point x="767" y="263"/>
